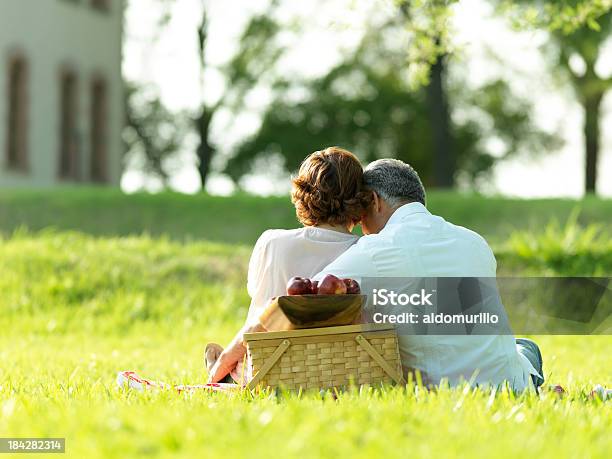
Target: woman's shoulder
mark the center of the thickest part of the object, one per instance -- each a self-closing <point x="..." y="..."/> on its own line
<point x="274" y="236"/>
<point x="289" y="238"/>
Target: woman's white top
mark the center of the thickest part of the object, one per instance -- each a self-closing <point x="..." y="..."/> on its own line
<point x="280" y="255"/>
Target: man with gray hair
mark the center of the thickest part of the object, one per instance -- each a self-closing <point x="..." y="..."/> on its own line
<point x="393" y="183"/>
<point x="404" y="240"/>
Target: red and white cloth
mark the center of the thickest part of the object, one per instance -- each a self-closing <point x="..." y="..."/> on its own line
<point x="131" y="380"/>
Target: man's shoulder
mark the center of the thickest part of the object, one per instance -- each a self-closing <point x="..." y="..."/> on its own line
<point x="464" y="233"/>
<point x="431" y="229"/>
<point x="468" y="242"/>
<point x="426" y="226"/>
<point x="369" y="242"/>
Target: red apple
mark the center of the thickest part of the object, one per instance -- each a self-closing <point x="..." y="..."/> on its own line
<point x="298" y="286"/>
<point x="314" y="287"/>
<point x="352" y="286"/>
<point x="332" y="285"/>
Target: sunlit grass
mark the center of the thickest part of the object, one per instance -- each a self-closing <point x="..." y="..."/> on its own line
<point x="64" y="385"/>
<point x="77" y="309"/>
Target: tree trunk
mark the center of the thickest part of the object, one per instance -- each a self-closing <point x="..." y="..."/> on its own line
<point x="444" y="161"/>
<point x="205" y="150"/>
<point x="591" y="105"/>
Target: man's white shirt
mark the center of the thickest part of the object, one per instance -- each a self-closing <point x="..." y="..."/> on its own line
<point x="416" y="244"/>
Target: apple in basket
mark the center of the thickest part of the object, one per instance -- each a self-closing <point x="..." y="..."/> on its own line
<point x="332" y="285"/>
<point x="299" y="286"/>
<point x="352" y="287"/>
<point x="312" y="304"/>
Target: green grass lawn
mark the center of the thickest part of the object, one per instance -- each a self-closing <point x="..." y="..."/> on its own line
<point x="75" y="308"/>
<point x="242" y="218"/>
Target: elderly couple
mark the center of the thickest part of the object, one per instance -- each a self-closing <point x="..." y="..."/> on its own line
<point x="332" y="193"/>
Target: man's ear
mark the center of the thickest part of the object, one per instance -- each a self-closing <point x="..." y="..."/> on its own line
<point x="376" y="202"/>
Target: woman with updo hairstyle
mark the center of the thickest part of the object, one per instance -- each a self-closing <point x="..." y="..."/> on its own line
<point x="329" y="198"/>
<point x="328" y="190"/>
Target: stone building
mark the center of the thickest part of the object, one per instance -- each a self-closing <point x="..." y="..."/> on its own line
<point x="61" y="102"/>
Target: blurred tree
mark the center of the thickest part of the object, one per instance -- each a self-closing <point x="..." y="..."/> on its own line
<point x="428" y="51"/>
<point x="578" y="32"/>
<point x="428" y="23"/>
<point x="152" y="134"/>
<point x="366" y="103"/>
<point x="579" y="28"/>
<point x="255" y="55"/>
<point x="590" y="87"/>
<point x="205" y="149"/>
<point x="361" y="119"/>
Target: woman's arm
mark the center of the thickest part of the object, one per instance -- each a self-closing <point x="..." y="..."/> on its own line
<point x="232" y="354"/>
<point x="258" y="284"/>
<point x="259" y="278"/>
<point x="272" y="319"/>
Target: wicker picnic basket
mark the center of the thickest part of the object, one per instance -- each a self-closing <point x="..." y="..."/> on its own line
<point x="320" y="358"/>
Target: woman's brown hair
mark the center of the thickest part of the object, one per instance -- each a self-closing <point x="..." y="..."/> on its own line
<point x="329" y="189"/>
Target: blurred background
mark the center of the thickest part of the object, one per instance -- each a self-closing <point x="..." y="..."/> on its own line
<point x="496" y="97"/>
<point x="143" y="144"/>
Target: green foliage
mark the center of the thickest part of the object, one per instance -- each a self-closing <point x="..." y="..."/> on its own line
<point x="428" y="23"/>
<point x="587" y="44"/>
<point x="353" y="106"/>
<point x="579" y="31"/>
<point x="578" y="28"/>
<point x="570" y="249"/>
<point x="390" y="114"/>
<point x="495" y="113"/>
<point x="255" y="60"/>
<point x="564" y="16"/>
<point x="153" y="135"/>
<point x="366" y="104"/>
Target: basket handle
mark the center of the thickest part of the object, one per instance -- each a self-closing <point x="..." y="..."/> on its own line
<point x="398" y="378"/>
<point x="280" y="350"/>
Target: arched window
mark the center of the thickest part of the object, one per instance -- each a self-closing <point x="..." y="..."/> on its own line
<point x="69" y="142"/>
<point x="17" y="132"/>
<point x="99" y="131"/>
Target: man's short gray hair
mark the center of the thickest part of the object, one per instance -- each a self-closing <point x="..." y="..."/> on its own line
<point x="394" y="181"/>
